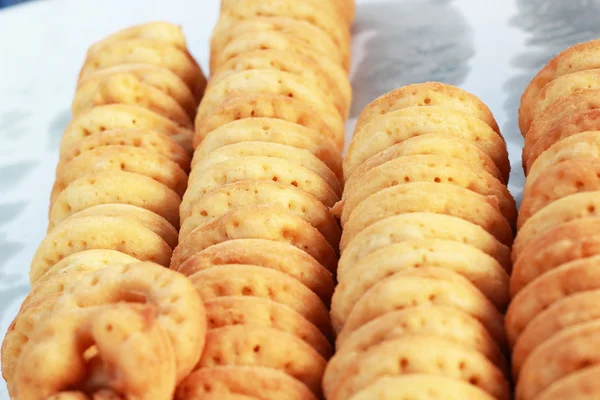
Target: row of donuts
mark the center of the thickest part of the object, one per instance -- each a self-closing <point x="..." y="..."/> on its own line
<point x="104" y="317"/>
<point x="257" y="237"/>
<point x="552" y="322"/>
<point x="427" y="225"/>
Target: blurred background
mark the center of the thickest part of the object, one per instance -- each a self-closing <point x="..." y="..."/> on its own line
<point x="7" y="3"/>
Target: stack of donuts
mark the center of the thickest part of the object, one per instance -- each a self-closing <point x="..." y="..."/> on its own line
<point x="257" y="237"/>
<point x="552" y="322"/>
<point x="105" y="318"/>
<point x="425" y="251"/>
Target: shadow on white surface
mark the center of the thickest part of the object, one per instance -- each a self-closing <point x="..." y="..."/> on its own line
<point x="550" y="27"/>
<point x="407" y="41"/>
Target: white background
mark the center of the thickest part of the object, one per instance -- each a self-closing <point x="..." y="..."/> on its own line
<point x="479" y="45"/>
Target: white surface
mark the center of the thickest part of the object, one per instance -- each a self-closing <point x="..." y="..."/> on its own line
<point x="469" y="43"/>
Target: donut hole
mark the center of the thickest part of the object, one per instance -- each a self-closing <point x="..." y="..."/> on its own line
<point x="247" y="291"/>
<point x="221" y="290"/>
<point x="403" y="364"/>
<point x="132" y="296"/>
<point x="288" y="235"/>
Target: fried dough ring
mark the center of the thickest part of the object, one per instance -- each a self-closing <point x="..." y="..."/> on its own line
<point x="126" y="337"/>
